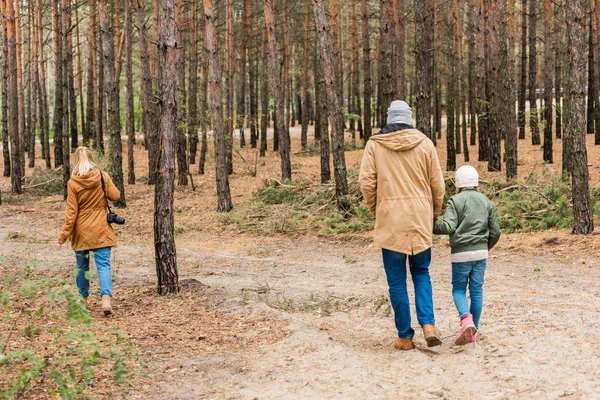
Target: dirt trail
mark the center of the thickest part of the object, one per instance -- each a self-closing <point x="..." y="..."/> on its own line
<point x="539" y="332"/>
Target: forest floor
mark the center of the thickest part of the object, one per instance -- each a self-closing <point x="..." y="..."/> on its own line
<point x="306" y="315"/>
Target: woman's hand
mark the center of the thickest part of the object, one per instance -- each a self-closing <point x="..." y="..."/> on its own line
<point x="61" y="241"/>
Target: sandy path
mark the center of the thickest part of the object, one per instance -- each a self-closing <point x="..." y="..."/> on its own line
<point x="539" y="331"/>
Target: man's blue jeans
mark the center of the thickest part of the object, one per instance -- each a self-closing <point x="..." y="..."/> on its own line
<point x="102" y="257"/>
<point x="395" y="269"/>
<point x="471" y="273"/>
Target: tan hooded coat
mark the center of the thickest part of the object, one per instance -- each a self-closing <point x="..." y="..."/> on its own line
<point x="402" y="183"/>
<point x="85" y="221"/>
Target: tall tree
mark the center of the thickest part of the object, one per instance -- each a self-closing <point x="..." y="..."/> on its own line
<point x="496" y="63"/>
<point x="5" y="72"/>
<point x="355" y="95"/>
<point x="223" y="193"/>
<point x="284" y="140"/>
<point x="264" y="90"/>
<point x="533" y="110"/>
<point x="66" y="92"/>
<point x="451" y="92"/>
<point x="368" y="89"/>
<point x="471" y="44"/>
<point x="423" y="41"/>
<point x="20" y="87"/>
<point x="574" y="116"/>
<point x="462" y="139"/>
<point x="591" y="86"/>
<point x="193" y="83"/>
<point x="548" y="70"/>
<point x="305" y="79"/>
<point x="322" y="118"/>
<point x="230" y="46"/>
<point x="596" y="30"/>
<point x="89" y="132"/>
<point x="481" y="102"/>
<point x="71" y="103"/>
<point x="241" y="106"/>
<point x="335" y="106"/>
<point x="523" y="81"/>
<point x="112" y="100"/>
<point x="509" y="79"/>
<point x="558" y="47"/>
<point x="101" y="100"/>
<point x="130" y="94"/>
<point x="149" y="118"/>
<point x="399" y="42"/>
<point x="42" y="95"/>
<point x="252" y="75"/>
<point x="182" y="158"/>
<point x="164" y="223"/>
<point x="58" y="86"/>
<point x="387" y="86"/>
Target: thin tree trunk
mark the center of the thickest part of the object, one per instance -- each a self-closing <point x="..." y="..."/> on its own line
<point x="5" y="72"/>
<point x="451" y="92"/>
<point x="112" y="97"/>
<point x="164" y="223"/>
<point x="459" y="84"/>
<point x="355" y="95"/>
<point x="305" y="78"/>
<point x="591" y="83"/>
<point x="510" y="139"/>
<point x="43" y="98"/>
<point x="182" y="158"/>
<point x="91" y="126"/>
<point x="596" y="31"/>
<point x="101" y="102"/>
<point x="424" y="39"/>
<point x="523" y="82"/>
<point x="387" y="86"/>
<point x="399" y="13"/>
<point x="559" y="44"/>
<point x="31" y="90"/>
<point x="65" y="29"/>
<point x="193" y="84"/>
<point x="533" y="111"/>
<point x="230" y="48"/>
<point x="321" y="123"/>
<point x="129" y="76"/>
<point x="80" y="75"/>
<point x="23" y="144"/>
<point x="241" y="105"/>
<point x="204" y="103"/>
<point x="368" y="88"/>
<point x="252" y="77"/>
<point x="482" y="86"/>
<point x="223" y="193"/>
<point x="335" y="108"/>
<point x="548" y="64"/>
<point x="497" y="62"/>
<point x="264" y="126"/>
<point x="583" y="222"/>
<point x="58" y="87"/>
<point x="472" y="44"/>
<point x="69" y="69"/>
<point x="284" y="142"/>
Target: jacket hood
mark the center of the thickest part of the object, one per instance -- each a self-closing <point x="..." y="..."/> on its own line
<point x="399" y="140"/>
<point x="89" y="180"/>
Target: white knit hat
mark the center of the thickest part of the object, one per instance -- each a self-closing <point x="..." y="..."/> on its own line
<point x="467" y="176"/>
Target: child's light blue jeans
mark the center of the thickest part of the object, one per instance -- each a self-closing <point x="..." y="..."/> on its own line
<point x="102" y="258"/>
<point x="471" y="273"/>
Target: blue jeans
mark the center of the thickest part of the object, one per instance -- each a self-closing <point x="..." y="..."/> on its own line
<point x="395" y="270"/>
<point x="471" y="273"/>
<point x="102" y="257"/>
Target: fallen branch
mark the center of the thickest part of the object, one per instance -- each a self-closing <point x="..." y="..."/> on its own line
<point x="41" y="184"/>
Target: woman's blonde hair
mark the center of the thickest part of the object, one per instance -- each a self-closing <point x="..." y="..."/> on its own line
<point x="83" y="161"/>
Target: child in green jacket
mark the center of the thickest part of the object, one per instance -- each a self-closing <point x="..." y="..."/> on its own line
<point x="471" y="222"/>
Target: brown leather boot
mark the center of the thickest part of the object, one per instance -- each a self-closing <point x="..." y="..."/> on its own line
<point x="432" y="335"/>
<point x="404" y="344"/>
<point x="106" y="307"/>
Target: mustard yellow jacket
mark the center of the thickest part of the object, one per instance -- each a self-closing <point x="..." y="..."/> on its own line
<point x="403" y="186"/>
<point x="85" y="221"/>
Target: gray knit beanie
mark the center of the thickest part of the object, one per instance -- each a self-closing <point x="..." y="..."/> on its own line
<point x="399" y="111"/>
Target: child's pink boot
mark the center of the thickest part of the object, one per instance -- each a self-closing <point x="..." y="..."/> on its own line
<point x="473" y="338"/>
<point x="467" y="329"/>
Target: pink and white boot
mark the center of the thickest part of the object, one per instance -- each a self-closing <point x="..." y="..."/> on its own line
<point x="473" y="338"/>
<point x="467" y="332"/>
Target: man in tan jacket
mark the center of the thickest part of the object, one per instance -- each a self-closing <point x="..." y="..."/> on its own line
<point x="403" y="186"/>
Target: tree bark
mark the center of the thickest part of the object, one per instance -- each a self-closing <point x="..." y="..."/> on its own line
<point x="591" y="86"/>
<point x="90" y="129"/>
<point x="193" y="84"/>
<point x="149" y="118"/>
<point x="112" y="97"/>
<point x="335" y="108"/>
<point x="321" y="123"/>
<point x="510" y="138"/>
<point x="284" y="142"/>
<point x="204" y="121"/>
<point x="596" y="64"/>
<point x="5" y="72"/>
<point x="305" y="79"/>
<point x="65" y="29"/>
<point x="69" y="69"/>
<point x="252" y="78"/>
<point x="583" y="222"/>
<point x="80" y="74"/>
<point x="533" y="111"/>
<point x="223" y="193"/>
<point x="451" y="92"/>
<point x="182" y="158"/>
<point x="164" y="223"/>
<point x="387" y="86"/>
<point x="230" y="48"/>
<point x="31" y="89"/>
<point x="471" y="7"/>
<point x="368" y="88"/>
<point x="20" y="87"/>
<point x="497" y="62"/>
<point x="482" y="87"/>
<point x="42" y="97"/>
<point x="559" y="44"/>
<point x="523" y="82"/>
<point x="459" y="83"/>
<point x="101" y="102"/>
<point x="548" y="64"/>
<point x="129" y="77"/>
<point x="424" y="40"/>
<point x="58" y="87"/>
<point x="264" y="126"/>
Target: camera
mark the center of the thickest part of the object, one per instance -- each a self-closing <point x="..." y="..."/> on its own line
<point x="113" y="218"/>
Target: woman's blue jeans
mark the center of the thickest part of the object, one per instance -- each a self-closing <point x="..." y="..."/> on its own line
<point x="102" y="258"/>
<point x="469" y="273"/>
<point x="395" y="269"/>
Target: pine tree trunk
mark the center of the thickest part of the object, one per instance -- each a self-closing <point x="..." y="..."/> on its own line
<point x="101" y="102"/>
<point x="91" y="126"/>
<point x="129" y="77"/>
<point x="42" y="97"/>
<point x="305" y="79"/>
<point x="459" y="84"/>
<point x="451" y="92"/>
<point x="193" y="84"/>
<point x="284" y="142"/>
<point x="58" y="88"/>
<point x="182" y="159"/>
<point x="5" y="72"/>
<point x="368" y="88"/>
<point x="472" y="44"/>
<point x="510" y="138"/>
<point x="548" y="64"/>
<point x="20" y="87"/>
<point x="533" y="111"/>
<point x="574" y="118"/>
<point x="230" y="48"/>
<point x="70" y="80"/>
<point x="355" y="95"/>
<point x="80" y="74"/>
<point x="523" y="82"/>
<point x="65" y="28"/>
<point x="558" y="46"/>
<point x="164" y="223"/>
<point x="241" y="106"/>
<point x="204" y="104"/>
<point x="596" y="31"/>
<point x="322" y="123"/>
<point x="497" y="62"/>
<point x="387" y="86"/>
<point x="334" y="103"/>
<point x="399" y="30"/>
<point x="264" y="126"/>
<point x="31" y="90"/>
<point x="591" y="83"/>
<point x="112" y="97"/>
<point x="150" y="120"/>
<point x="423" y="31"/>
<point x="482" y="87"/>
<point x="252" y="78"/>
<point x="223" y="193"/>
